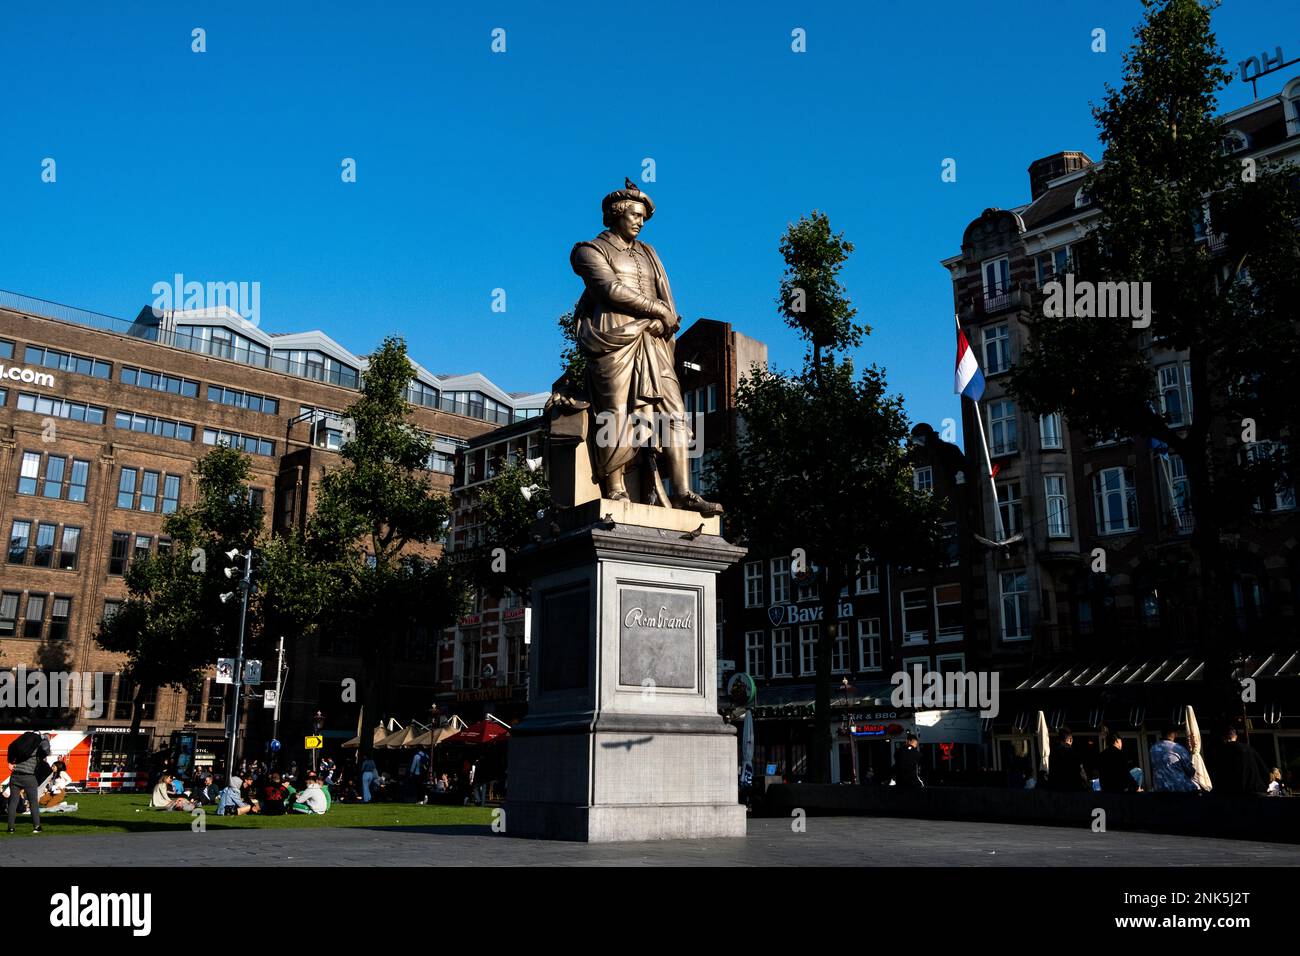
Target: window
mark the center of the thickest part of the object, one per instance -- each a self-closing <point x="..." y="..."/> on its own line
<point x="126" y="488"/>
<point x="34" y="617"/>
<point x="149" y="425"/>
<point x="118" y="551"/>
<point x="781" y="652"/>
<point x="868" y="581"/>
<point x="950" y="663"/>
<point x="77" y="483"/>
<point x="948" y="623"/>
<point x="58" y="408"/>
<point x="754" y="584"/>
<point x="1081" y="198"/>
<point x="1058" y="506"/>
<point x="713" y="397"/>
<point x="67" y="362"/>
<point x="997" y="277"/>
<point x="171" y="493"/>
<point x="810" y="589"/>
<point x="1049" y="431"/>
<point x="754" y="641"/>
<point x="143" y="547"/>
<point x="247" y="443"/>
<point x="1171" y="395"/>
<point x="60" y="611"/>
<point x="1114" y="499"/>
<point x="916" y="613"/>
<point x="20" y="537"/>
<point x="807" y="649"/>
<point x="1015" y="605"/>
<point x="1003" y="439"/>
<point x="997" y="349"/>
<point x="1052" y="265"/>
<point x="1010" y="507"/>
<point x="110" y="610"/>
<point x="164" y="546"/>
<point x="951" y="544"/>
<point x="69" y="548"/>
<point x="53" y="486"/>
<point x="253" y="401"/>
<point x="6" y="349"/>
<point x="923" y="479"/>
<point x="869" y="644"/>
<point x="31" y="469"/>
<point x="149" y="491"/>
<point x="840" y="652"/>
<point x="43" y="556"/>
<point x="158" y="382"/>
<point x="9" y="613"/>
<point x="780" y="580"/>
<point x="1274" y="461"/>
<point x="1234" y="141"/>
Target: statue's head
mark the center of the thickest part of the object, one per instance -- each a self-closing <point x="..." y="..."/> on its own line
<point x="627" y="210"/>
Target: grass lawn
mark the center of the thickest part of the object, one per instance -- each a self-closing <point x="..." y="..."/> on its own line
<point x="130" y="813"/>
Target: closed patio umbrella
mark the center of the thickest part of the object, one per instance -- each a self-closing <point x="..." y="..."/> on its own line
<point x="1200" y="775"/>
<point x="1044" y="741"/>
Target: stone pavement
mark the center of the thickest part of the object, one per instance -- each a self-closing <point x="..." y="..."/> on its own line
<point x="828" y="841"/>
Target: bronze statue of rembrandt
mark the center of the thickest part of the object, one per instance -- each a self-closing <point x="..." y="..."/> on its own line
<point x="625" y="323"/>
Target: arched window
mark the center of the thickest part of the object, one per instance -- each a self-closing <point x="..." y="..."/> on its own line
<point x="1234" y="141"/>
<point x="1291" y="103"/>
<point x="1082" y="199"/>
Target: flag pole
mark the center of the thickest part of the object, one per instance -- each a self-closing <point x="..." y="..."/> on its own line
<point x="988" y="462"/>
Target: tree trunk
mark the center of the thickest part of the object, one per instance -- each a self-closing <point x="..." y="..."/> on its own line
<point x="1216" y="625"/>
<point x="824" y="721"/>
<point x="137" y="714"/>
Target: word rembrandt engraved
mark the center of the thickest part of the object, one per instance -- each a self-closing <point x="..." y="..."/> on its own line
<point x="637" y="617"/>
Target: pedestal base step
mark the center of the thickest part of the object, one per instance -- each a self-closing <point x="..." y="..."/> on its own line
<point x="617" y="824"/>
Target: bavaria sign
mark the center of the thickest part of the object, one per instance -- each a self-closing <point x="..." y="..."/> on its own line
<point x="784" y="615"/>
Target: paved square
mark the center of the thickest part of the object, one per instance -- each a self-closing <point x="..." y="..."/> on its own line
<point x="828" y="841"/>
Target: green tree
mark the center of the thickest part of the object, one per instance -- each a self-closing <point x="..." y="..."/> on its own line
<point x="507" y="508"/>
<point x="820" y="469"/>
<point x="1163" y="165"/>
<point x="173" y="622"/>
<point x="376" y="525"/>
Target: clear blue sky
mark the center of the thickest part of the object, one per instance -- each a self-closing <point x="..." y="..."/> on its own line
<point x="478" y="170"/>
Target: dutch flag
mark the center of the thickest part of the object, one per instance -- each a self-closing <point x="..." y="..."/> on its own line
<point x="969" y="380"/>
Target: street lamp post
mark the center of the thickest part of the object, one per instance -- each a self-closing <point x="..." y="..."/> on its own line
<point x="245" y="585"/>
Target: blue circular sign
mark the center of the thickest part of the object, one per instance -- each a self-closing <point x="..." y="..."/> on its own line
<point x="275" y="746"/>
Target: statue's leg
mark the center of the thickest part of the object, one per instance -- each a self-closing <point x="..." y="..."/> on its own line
<point x="614" y="488"/>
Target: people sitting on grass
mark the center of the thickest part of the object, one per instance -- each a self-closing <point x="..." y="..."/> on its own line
<point x="56" y="788"/>
<point x="207" y="792"/>
<point x="163" y="798"/>
<point x="232" y="802"/>
<point x="275" y="794"/>
<point x="314" y="798"/>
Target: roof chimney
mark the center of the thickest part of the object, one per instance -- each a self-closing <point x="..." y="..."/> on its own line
<point x="1049" y="167"/>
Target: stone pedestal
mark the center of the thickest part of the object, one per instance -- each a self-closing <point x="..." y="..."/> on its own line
<point x="623" y="740"/>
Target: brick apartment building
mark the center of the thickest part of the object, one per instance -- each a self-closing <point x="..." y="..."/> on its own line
<point x="101" y="422"/>
<point x="1107" y="649"/>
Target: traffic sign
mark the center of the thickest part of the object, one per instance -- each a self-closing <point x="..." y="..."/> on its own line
<point x="314" y="743"/>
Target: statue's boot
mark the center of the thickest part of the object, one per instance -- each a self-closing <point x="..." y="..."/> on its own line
<point x="690" y="501"/>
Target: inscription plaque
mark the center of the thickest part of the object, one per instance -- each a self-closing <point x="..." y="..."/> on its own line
<point x="658" y="638"/>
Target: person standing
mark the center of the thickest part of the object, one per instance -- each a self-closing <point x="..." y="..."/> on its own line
<point x="1171" y="765"/>
<point x="24" y="755"/>
<point x="369" y="773"/>
<point x="907" y="765"/>
<point x="1065" y="773"/>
